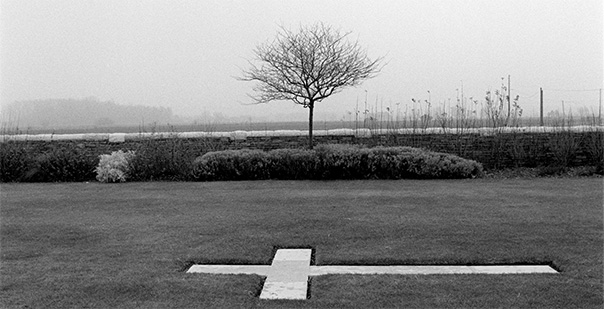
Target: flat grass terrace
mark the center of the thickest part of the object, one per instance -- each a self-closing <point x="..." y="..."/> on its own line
<point x="95" y="245"/>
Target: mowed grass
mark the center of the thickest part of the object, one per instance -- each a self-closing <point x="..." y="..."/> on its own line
<point x="92" y="245"/>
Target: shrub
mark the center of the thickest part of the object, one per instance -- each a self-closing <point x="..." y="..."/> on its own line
<point x="563" y="145"/>
<point x="595" y="150"/>
<point x="15" y="162"/>
<point x="61" y="164"/>
<point x="333" y="162"/>
<point x="18" y="162"/>
<point x="340" y="161"/>
<point x="352" y="162"/>
<point x="114" y="167"/>
<point x="232" y="165"/>
<point x="293" y="164"/>
<point x="163" y="159"/>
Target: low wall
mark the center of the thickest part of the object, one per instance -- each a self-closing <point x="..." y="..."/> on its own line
<point x="495" y="148"/>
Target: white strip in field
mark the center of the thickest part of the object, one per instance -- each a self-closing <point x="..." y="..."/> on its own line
<point x="242" y="135"/>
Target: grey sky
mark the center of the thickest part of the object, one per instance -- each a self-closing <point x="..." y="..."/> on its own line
<point x="185" y="54"/>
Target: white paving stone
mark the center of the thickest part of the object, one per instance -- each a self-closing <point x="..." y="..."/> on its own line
<point x="430" y="269"/>
<point x="284" y="290"/>
<point x="287" y="276"/>
<point x="262" y="270"/>
<point x="513" y="269"/>
<point x="293" y="255"/>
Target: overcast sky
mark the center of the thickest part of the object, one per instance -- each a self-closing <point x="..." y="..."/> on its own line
<point x="186" y="54"/>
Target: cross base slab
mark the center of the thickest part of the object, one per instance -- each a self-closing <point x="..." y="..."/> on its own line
<point x="287" y="277"/>
<point x="284" y="290"/>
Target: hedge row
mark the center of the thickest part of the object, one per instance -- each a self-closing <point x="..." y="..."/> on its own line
<point x="333" y="162"/>
<point x="157" y="163"/>
<point x="170" y="160"/>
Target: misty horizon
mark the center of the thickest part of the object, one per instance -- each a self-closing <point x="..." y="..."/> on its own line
<point x="186" y="56"/>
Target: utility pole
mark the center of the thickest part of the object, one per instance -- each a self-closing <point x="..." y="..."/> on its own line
<point x="541" y="105"/>
<point x="509" y="95"/>
<point x="563" y="114"/>
<point x="600" y="109"/>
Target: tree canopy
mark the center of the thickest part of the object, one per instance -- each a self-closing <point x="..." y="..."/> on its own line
<point x="308" y="66"/>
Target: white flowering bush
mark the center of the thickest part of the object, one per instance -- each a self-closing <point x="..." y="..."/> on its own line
<point x="114" y="167"/>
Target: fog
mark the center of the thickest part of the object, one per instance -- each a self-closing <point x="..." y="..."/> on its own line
<point x="186" y="55"/>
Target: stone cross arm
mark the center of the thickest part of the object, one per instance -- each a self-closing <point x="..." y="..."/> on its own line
<point x="287" y="276"/>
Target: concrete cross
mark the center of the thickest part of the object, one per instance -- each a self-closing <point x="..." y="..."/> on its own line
<point x="287" y="276"/>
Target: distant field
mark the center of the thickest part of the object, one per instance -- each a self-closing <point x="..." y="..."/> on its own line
<point x="210" y="127"/>
<point x="270" y="126"/>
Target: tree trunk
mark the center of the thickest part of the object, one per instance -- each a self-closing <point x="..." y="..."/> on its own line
<point x="311" y="106"/>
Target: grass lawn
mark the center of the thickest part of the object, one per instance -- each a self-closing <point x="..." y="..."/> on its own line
<point x="93" y="245"/>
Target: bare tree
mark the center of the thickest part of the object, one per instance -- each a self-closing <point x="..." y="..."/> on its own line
<point x="308" y="66"/>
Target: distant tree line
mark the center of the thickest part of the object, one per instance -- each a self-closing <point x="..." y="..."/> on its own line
<point x="86" y="112"/>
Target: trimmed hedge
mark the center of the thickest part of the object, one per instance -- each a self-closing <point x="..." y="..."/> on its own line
<point x="333" y="162"/>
